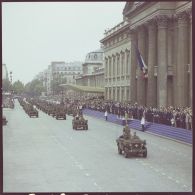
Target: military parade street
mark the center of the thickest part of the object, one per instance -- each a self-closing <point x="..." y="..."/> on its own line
<point x="97" y="97"/>
<point x="45" y="154"/>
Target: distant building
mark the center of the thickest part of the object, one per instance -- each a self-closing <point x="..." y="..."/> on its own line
<point x="5" y="72"/>
<point x="59" y="72"/>
<point x="93" y="70"/>
<point x="117" y="62"/>
<point x="68" y="70"/>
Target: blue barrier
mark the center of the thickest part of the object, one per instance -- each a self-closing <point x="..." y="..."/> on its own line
<point x="180" y="134"/>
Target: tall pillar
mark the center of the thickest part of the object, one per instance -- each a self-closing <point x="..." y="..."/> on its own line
<point x="162" y="60"/>
<point x="116" y="93"/>
<point x="170" y="62"/>
<point x="152" y="53"/>
<point x="125" y="93"/>
<point x="109" y="66"/>
<point x="141" y="96"/>
<point x="111" y="93"/>
<point x="114" y="66"/>
<point x="133" y="88"/>
<point x="182" y="60"/>
<point x="175" y="32"/>
<point x="120" y="93"/>
<point x="189" y="11"/>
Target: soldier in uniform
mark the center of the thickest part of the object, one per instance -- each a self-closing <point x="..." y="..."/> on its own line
<point x="126" y="132"/>
<point x="135" y="136"/>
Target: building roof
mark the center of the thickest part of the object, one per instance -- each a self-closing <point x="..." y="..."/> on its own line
<point x="83" y="88"/>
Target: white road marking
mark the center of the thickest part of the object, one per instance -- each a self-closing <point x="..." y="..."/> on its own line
<point x="163" y="173"/>
<point x="177" y="181"/>
<point x="156" y="170"/>
<point x="87" y="174"/>
<point x="170" y="177"/>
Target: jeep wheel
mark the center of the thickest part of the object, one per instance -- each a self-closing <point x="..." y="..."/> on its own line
<point x="145" y="154"/>
<point x="119" y="150"/>
<point x="126" y="152"/>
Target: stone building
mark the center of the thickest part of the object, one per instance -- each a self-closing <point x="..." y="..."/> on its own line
<point x="116" y="61"/>
<point x="66" y="70"/>
<point x="163" y="33"/>
<point x="4" y="72"/>
<point x="93" y="70"/>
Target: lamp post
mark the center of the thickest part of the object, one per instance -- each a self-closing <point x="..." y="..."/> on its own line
<point x="11" y="76"/>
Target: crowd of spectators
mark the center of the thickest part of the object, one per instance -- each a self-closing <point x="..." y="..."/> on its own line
<point x="178" y="117"/>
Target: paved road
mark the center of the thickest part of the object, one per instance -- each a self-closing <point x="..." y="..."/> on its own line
<point x="44" y="155"/>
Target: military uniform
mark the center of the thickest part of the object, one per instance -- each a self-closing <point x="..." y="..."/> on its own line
<point x="126" y="132"/>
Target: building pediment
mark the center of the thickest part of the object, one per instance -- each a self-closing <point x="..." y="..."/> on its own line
<point x="130" y="7"/>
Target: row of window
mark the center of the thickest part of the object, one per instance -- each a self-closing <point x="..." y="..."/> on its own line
<point x="68" y="68"/>
<point x="117" y="65"/>
<point x="116" y="39"/>
<point x="67" y="73"/>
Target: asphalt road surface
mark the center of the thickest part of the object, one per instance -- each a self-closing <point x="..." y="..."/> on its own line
<point x="46" y="155"/>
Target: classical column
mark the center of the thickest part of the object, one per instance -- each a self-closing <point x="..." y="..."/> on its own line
<point x="125" y="94"/>
<point x="120" y="93"/>
<point x="141" y="96"/>
<point x="108" y="67"/>
<point x="111" y="67"/>
<point x="170" y="62"/>
<point x="162" y="60"/>
<point x="114" y="66"/>
<point x="182" y="60"/>
<point x="112" y="93"/>
<point x="116" y="93"/>
<point x="175" y="31"/>
<point x="127" y="64"/>
<point x="189" y="11"/>
<point x="133" y="88"/>
<point x="152" y="53"/>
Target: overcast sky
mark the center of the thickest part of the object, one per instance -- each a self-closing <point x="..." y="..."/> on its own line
<point x="35" y="34"/>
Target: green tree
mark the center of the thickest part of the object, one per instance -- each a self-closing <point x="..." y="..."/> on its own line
<point x="34" y="88"/>
<point x="6" y="85"/>
<point x="18" y="87"/>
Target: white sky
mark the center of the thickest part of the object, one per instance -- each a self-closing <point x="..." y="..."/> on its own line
<point x="35" y="34"/>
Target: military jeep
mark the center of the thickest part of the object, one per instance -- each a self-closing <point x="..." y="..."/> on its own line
<point x="33" y="112"/>
<point x="60" y="114"/>
<point x="131" y="147"/>
<point x="79" y="124"/>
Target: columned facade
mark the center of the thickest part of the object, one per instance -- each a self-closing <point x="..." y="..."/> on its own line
<point x="162" y="32"/>
<point x="164" y="41"/>
<point x="152" y="61"/>
<point x="117" y="62"/>
<point x="133" y="80"/>
<point x="183" y="59"/>
<point x="162" y="22"/>
<point x="141" y="84"/>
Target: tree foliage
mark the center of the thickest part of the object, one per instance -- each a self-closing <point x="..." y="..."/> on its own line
<point x="34" y="88"/>
<point x="18" y="87"/>
<point x="6" y="85"/>
<point x="57" y="80"/>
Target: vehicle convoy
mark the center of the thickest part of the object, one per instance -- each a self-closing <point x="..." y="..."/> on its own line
<point x="79" y="123"/>
<point x="33" y="112"/>
<point x="60" y="114"/>
<point x="131" y="145"/>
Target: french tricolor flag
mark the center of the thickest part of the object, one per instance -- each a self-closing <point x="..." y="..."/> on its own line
<point x="141" y="63"/>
